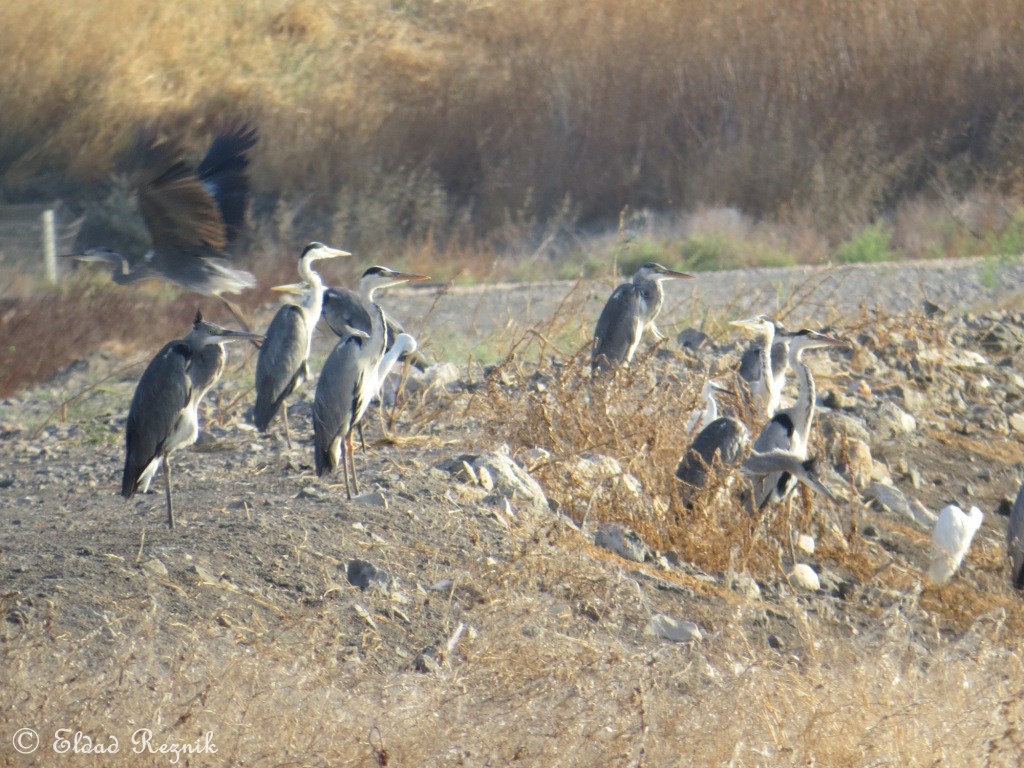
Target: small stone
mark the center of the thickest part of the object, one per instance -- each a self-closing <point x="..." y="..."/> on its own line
<point x="664" y="626"/>
<point x="803" y="577"/>
<point x="1017" y="423"/>
<point x="426" y="662"/>
<point x="622" y="541"/>
<point x="1005" y="506"/>
<point x="154" y="567"/>
<point x="692" y="339"/>
<point x="744" y="584"/>
<point x="833" y="399"/>
<point x="372" y="499"/>
<point x="775" y="642"/>
<point x="204" y="575"/>
<point x="365" y="576"/>
<point x="484" y="478"/>
<point x="805" y="544"/>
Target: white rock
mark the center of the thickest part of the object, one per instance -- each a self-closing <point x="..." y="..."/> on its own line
<point x="894" y="420"/>
<point x="803" y="577"/>
<point x="951" y="538"/>
<point x="372" y="499"/>
<point x="805" y="544"/>
<point x="622" y="541"/>
<point x="664" y="626"/>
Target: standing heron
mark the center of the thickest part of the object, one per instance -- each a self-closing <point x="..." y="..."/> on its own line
<point x="1015" y="540"/>
<point x="632" y="309"/>
<point x="722" y="441"/>
<point x="283" y="362"/>
<point x="702" y="416"/>
<point x="351" y="378"/>
<point x="164" y="411"/>
<point x="763" y="366"/>
<point x="789" y="429"/>
<point x="192" y="215"/>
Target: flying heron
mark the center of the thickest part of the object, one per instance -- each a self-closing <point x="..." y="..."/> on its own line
<point x="283" y="362"/>
<point x="1015" y="540"/>
<point x="789" y="429"/>
<point x="164" y="411"/>
<point x="764" y="364"/>
<point x="192" y="215"/>
<point x="351" y="378"/>
<point x="632" y="309"/>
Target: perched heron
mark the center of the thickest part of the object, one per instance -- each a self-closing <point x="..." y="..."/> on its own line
<point x="951" y="538"/>
<point x="192" y="215"/>
<point x="1015" y="540"/>
<point x="343" y="311"/>
<point x="632" y="309"/>
<point x="351" y="378"/>
<point x="804" y="470"/>
<point x="789" y="429"/>
<point x="704" y="415"/>
<point x="164" y="411"/>
<point x="763" y="366"/>
<point x="283" y="362"/>
<point x="723" y="440"/>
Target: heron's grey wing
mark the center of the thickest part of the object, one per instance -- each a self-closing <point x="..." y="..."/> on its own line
<point x="178" y="210"/>
<point x="780" y="357"/>
<point x="224" y="173"/>
<point x="279" y="363"/>
<point x="1015" y="540"/>
<point x="342" y="307"/>
<point x="335" y="402"/>
<point x="618" y="326"/>
<point x="777" y="434"/>
<point x="778" y="462"/>
<point x="750" y="364"/>
<point x="160" y="396"/>
<point x="725" y="437"/>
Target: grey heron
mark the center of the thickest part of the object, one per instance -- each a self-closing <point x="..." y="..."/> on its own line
<point x="632" y="309"/>
<point x="702" y="416"/>
<point x="351" y="378"/>
<point x="192" y="215"/>
<point x="723" y="440"/>
<point x="951" y="538"/>
<point x="1015" y="540"/>
<point x="789" y="429"/>
<point x="283" y="362"/>
<point x="763" y="366"/>
<point x="343" y="311"/>
<point x="164" y="411"/>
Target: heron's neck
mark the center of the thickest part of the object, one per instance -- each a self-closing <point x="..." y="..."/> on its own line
<point x="314" y="300"/>
<point x="378" y="330"/>
<point x="771" y="386"/>
<point x="654" y="297"/>
<point x="390" y="358"/>
<point x="802" y="412"/>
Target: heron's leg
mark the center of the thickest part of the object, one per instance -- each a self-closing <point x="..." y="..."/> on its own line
<point x="344" y="466"/>
<point x="284" y="415"/>
<point x="658" y="335"/>
<point x="167" y="487"/>
<point x="362" y="442"/>
<point x="352" y="459"/>
<point x="789" y="529"/>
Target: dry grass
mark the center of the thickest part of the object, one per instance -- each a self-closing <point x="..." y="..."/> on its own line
<point x="458" y="116"/>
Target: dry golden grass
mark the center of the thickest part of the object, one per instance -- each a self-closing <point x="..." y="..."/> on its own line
<point x="403" y="120"/>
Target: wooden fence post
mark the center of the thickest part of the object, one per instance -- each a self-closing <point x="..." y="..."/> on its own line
<point x="50" y="245"/>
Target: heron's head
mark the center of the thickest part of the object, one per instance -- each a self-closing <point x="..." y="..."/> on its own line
<point x="375" y="278"/>
<point x="316" y="250"/>
<point x="100" y="254"/>
<point x="807" y="339"/>
<point x="293" y="289"/>
<point x="205" y="333"/>
<point x="405" y="344"/>
<point x="654" y="271"/>
<point x="761" y="325"/>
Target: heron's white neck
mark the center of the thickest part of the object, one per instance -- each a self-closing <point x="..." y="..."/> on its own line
<point x="313" y="302"/>
<point x="772" y="387"/>
<point x="802" y="412"/>
<point x="404" y="343"/>
<point x="378" y="331"/>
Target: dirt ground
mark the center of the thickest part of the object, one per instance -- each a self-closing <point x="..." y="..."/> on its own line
<point x="453" y="620"/>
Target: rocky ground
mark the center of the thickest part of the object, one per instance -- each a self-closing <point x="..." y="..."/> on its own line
<point x="518" y="582"/>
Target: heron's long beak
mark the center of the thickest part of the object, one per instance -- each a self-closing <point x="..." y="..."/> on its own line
<point x="671" y="274"/>
<point x="293" y="288"/>
<point x="229" y="334"/>
<point x="330" y="253"/>
<point x="749" y="324"/>
<point x="409" y="277"/>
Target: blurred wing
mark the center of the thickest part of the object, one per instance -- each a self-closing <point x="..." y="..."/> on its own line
<point x="180" y="213"/>
<point x="224" y="174"/>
